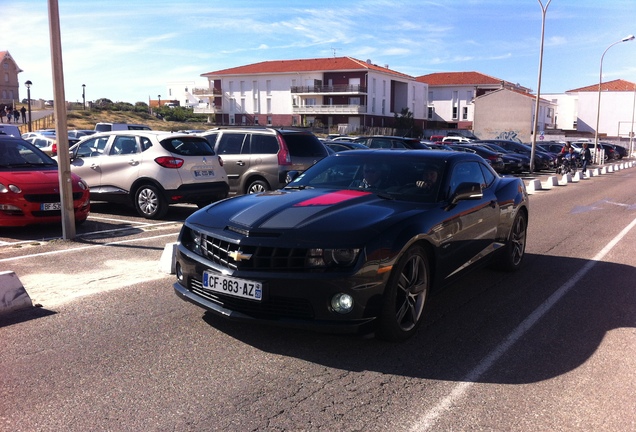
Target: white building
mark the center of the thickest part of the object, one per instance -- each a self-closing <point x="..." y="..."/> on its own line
<point x="616" y="118"/>
<point x="339" y="91"/>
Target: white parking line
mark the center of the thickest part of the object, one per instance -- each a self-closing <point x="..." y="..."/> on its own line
<point x="62" y="251"/>
<point x="428" y="419"/>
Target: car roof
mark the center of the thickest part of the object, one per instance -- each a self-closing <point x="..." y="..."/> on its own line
<point x="437" y="155"/>
<point x="147" y="133"/>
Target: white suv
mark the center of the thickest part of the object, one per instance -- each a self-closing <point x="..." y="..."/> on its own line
<point x="149" y="169"/>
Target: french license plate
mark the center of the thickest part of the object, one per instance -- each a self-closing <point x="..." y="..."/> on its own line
<point x="233" y="286"/>
<point x="51" y="206"/>
<point x="202" y="172"/>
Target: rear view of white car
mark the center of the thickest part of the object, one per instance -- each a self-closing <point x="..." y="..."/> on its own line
<point x="150" y="169"/>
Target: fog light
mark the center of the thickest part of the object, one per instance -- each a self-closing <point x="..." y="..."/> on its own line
<point x="342" y="303"/>
<point x="179" y="272"/>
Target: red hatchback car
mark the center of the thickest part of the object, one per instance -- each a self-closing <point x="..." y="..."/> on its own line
<point x="29" y="186"/>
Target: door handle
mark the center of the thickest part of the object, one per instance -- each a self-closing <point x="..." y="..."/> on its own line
<point x="240" y="163"/>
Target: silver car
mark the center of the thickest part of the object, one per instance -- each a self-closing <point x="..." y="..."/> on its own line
<point x="150" y="169"/>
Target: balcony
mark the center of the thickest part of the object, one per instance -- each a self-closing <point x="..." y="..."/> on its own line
<point x="204" y="91"/>
<point x="204" y="109"/>
<point x="339" y="89"/>
<point x="330" y="109"/>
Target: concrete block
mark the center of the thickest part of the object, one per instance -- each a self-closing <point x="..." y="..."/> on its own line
<point x="168" y="261"/>
<point x="13" y="296"/>
<point x="533" y="186"/>
<point x="550" y="182"/>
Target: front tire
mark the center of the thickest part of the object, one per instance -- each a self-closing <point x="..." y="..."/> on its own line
<point x="405" y="296"/>
<point x="150" y="203"/>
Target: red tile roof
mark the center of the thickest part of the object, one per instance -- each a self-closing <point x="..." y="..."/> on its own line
<point x="613" y="86"/>
<point x="305" y="65"/>
<point x="458" y="79"/>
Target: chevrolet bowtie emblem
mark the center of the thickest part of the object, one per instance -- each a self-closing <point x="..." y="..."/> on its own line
<point x="239" y="256"/>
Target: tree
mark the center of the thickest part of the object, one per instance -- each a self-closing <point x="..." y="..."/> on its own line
<point x="405" y="123"/>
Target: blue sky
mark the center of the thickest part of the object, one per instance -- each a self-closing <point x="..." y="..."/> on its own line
<point x="129" y="50"/>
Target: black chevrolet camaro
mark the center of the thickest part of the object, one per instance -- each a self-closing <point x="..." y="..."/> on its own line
<point x="355" y="243"/>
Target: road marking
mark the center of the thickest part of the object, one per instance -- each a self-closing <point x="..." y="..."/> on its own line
<point x="427" y="421"/>
<point x="84" y="248"/>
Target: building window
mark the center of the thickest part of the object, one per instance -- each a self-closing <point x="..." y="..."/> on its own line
<point x="454" y="113"/>
<point x="269" y="106"/>
<point x="269" y="120"/>
<point x="465" y="113"/>
<point x="431" y="112"/>
<point x="268" y="87"/>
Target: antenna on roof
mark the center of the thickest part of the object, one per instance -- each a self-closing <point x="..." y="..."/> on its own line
<point x="334" y="51"/>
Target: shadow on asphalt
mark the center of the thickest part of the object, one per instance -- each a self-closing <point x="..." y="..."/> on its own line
<point x="468" y="320"/>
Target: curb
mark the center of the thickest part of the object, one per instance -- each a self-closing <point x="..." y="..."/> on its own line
<point x="536" y="185"/>
<point x="13" y="296"/>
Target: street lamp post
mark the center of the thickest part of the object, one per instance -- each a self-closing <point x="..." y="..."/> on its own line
<point x="159" y="103"/>
<point x="84" y="95"/>
<point x="536" y="106"/>
<point x="600" y="82"/>
<point x="28" y="85"/>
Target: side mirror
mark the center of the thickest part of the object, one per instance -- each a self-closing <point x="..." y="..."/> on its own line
<point x="467" y="191"/>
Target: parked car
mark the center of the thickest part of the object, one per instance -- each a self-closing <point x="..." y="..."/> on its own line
<point x="29" y="186"/>
<point x="79" y="133"/>
<point x="107" y="127"/>
<point x="325" y="254"/>
<point x="511" y="162"/>
<point x="493" y="158"/>
<point x="150" y="169"/>
<point x="523" y="158"/>
<point x="456" y="139"/>
<point x="609" y="152"/>
<point x="338" y="146"/>
<point x="46" y="142"/>
<point x="542" y="161"/>
<point x="9" y="130"/>
<point x="258" y="159"/>
<point x="394" y="142"/>
<point x="621" y="151"/>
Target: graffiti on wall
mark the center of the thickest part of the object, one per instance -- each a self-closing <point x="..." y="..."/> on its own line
<point x="509" y="136"/>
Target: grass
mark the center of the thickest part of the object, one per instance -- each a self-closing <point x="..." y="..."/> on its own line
<point x="87" y="119"/>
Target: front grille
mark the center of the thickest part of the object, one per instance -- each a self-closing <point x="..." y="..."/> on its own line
<point x="237" y="257"/>
<point x="271" y="308"/>
<point x="49" y="198"/>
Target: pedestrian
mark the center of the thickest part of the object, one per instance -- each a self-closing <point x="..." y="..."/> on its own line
<point x="23" y="113"/>
<point x="586" y="157"/>
<point x="1" y="113"/>
<point x="8" y="113"/>
<point x="16" y="115"/>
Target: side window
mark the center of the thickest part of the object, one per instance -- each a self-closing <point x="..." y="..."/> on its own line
<point x="466" y="172"/>
<point x="489" y="176"/>
<point x="145" y="143"/>
<point x="124" y="145"/>
<point x="92" y="147"/>
<point x="397" y="144"/>
<point x="264" y="144"/>
<point x="231" y="143"/>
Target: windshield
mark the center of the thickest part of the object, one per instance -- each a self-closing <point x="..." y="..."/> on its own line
<point x="19" y="153"/>
<point x="400" y="178"/>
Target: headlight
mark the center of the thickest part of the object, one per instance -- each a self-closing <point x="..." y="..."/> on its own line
<point x="82" y="185"/>
<point x="196" y="242"/>
<point x="11" y="187"/>
<point x="342" y="257"/>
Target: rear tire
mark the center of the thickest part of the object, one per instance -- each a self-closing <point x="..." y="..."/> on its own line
<point x="150" y="203"/>
<point x="257" y="186"/>
<point x="512" y="254"/>
<point x="405" y="296"/>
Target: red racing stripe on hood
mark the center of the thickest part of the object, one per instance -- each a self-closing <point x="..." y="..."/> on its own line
<point x="332" y="198"/>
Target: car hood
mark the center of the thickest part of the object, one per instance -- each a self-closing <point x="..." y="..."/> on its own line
<point x="354" y="213"/>
<point x="34" y="178"/>
<point x="29" y="177"/>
